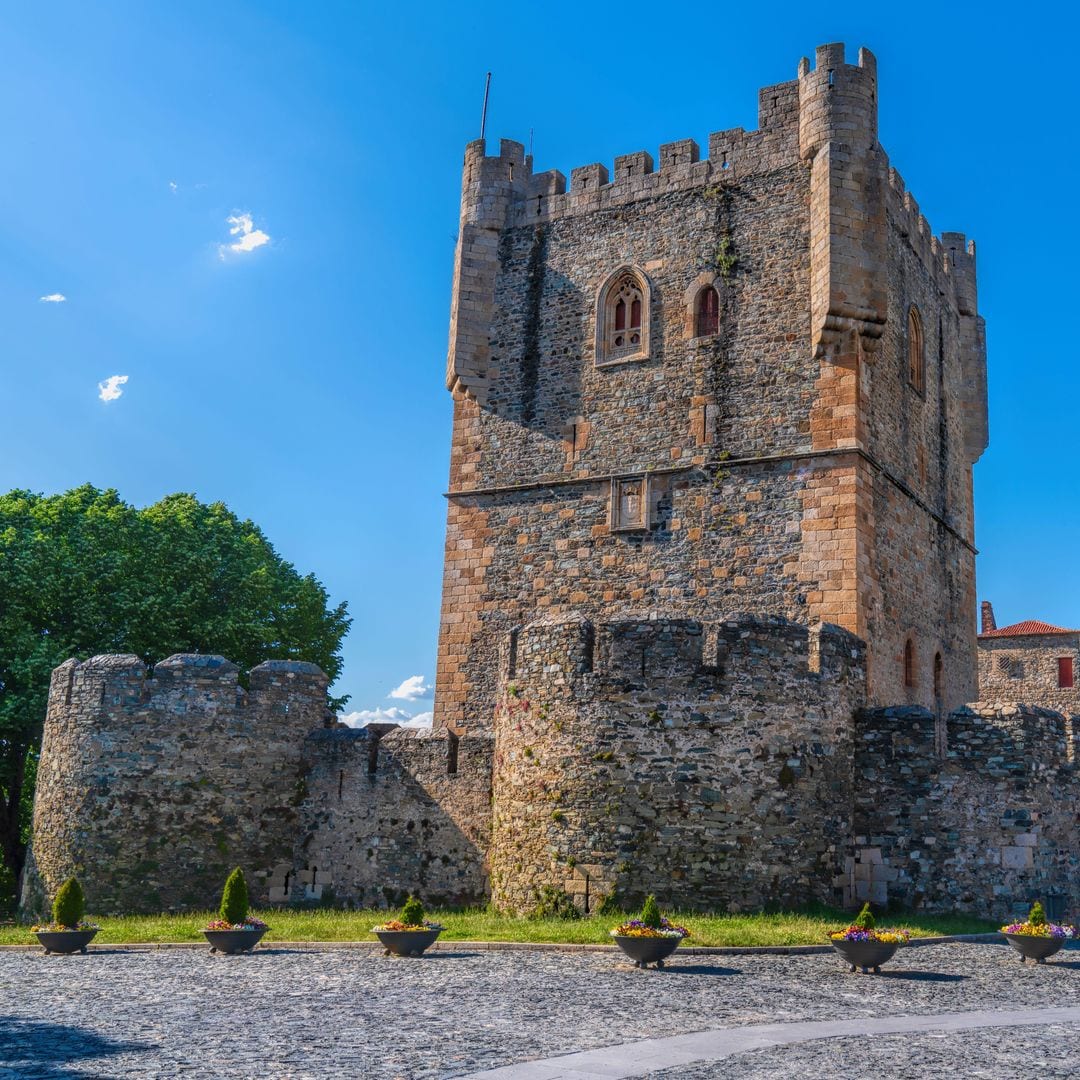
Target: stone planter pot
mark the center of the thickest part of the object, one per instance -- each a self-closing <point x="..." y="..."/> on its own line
<point x="407" y="942"/>
<point x="868" y="955"/>
<point x="65" y="941"/>
<point x="231" y="942"/>
<point x="647" y="950"/>
<point x="1035" y="948"/>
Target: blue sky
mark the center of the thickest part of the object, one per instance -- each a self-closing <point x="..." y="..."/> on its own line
<point x="300" y="380"/>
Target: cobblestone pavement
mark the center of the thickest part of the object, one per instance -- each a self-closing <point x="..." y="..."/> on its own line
<point x="314" y="1013"/>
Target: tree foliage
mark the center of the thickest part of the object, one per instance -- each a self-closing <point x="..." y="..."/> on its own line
<point x="234" y="898"/>
<point x="84" y="572"/>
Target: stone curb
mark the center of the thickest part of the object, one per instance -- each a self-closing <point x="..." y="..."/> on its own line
<point x="525" y="946"/>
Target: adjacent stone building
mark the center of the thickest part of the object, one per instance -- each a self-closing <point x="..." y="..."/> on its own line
<point x="1029" y="661"/>
<point x="708" y="623"/>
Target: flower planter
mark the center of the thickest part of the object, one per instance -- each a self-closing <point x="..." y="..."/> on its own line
<point x="407" y="942"/>
<point x="868" y="955"/>
<point x="65" y="941"/>
<point x="1035" y="947"/>
<point x="234" y="941"/>
<point x="647" y="950"/>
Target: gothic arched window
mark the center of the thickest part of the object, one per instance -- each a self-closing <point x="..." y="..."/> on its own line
<point x="622" y="318"/>
<point x="916" y="350"/>
<point x="909" y="663"/>
<point x="707" y="315"/>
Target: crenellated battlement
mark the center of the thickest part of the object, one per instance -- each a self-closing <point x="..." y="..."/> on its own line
<point x="107" y="687"/>
<point x="558" y="651"/>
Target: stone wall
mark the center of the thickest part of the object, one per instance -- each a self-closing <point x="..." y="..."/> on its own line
<point x="1025" y="668"/>
<point x="708" y="763"/>
<point x="152" y="788"/>
<point x="389" y="814"/>
<point x="987" y="829"/>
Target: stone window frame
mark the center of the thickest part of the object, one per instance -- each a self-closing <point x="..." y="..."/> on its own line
<point x="911" y="679"/>
<point x="916" y="350"/>
<point x="691" y="299"/>
<point x="606" y="298"/>
<point x="615" y="518"/>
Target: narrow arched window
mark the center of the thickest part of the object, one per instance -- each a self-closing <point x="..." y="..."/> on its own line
<point x="622" y="333"/>
<point x="909" y="663"/>
<point x="916" y="350"/>
<point x="707" y="316"/>
<point x="939" y="678"/>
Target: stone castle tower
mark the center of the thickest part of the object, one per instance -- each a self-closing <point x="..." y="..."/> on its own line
<point x="753" y="383"/>
<point x="708" y="609"/>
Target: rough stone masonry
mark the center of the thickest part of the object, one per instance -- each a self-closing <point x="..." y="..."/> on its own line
<point x="708" y="623"/>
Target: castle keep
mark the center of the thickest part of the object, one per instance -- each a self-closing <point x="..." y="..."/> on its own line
<point x="708" y="622"/>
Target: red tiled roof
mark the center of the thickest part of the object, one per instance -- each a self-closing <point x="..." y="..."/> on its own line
<point x="1028" y="626"/>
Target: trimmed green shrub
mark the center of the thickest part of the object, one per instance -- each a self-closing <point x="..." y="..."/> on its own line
<point x="234" y="898"/>
<point x="412" y="914"/>
<point x="69" y="907"/>
<point x="1036" y="916"/>
<point x="553" y="903"/>
<point x="650" y="913"/>
<point x="865" y="919"/>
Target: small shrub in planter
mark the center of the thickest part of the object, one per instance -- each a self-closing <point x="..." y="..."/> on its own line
<point x="1036" y="938"/>
<point x="863" y="945"/>
<point x="650" y="938"/>
<point x="69" y="931"/>
<point x="409" y="935"/>
<point x="235" y="930"/>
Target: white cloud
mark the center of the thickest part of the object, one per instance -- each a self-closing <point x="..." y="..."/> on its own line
<point x="249" y="238"/>
<point x="393" y="715"/>
<point x="109" y="390"/>
<point x="412" y="688"/>
<point x="53" y="298"/>
<point x="174" y="187"/>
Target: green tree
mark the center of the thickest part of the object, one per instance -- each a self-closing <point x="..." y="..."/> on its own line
<point x="85" y="572"/>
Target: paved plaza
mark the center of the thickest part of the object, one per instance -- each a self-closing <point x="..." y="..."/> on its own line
<point x="313" y="1012"/>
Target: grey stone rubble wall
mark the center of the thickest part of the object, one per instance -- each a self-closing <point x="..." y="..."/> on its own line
<point x="987" y="829"/>
<point x="668" y="756"/>
<point x="384" y="816"/>
<point x="151" y="789"/>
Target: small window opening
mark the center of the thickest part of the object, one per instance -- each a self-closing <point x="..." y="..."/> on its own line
<point x="511" y="170"/>
<point x="622" y="312"/>
<point x="452" y="741"/>
<point x="916" y="350"/>
<point x="288" y="879"/>
<point x="909" y="663"/>
<point x="373" y="757"/>
<point x="539" y="203"/>
<point x="707" y="321"/>
<point x="939" y="678"/>
<point x="340" y="783"/>
<point x="1065" y="672"/>
<point x="832" y="78"/>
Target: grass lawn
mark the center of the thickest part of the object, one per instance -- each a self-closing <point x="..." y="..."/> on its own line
<point x="786" y="928"/>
